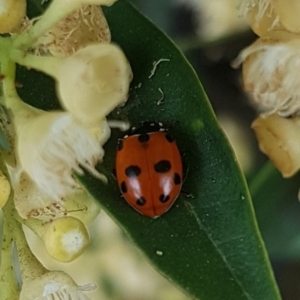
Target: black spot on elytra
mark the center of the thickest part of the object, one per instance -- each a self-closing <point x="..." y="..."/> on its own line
<point x="120" y="145"/>
<point x="169" y="138"/>
<point x="163" y="198"/>
<point x="162" y="166"/>
<point x="177" y="179"/>
<point x="133" y="171"/>
<point x="141" y="201"/>
<point x="143" y="138"/>
<point x="123" y="187"/>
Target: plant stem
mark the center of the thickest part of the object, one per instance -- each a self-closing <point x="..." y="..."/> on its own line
<point x="8" y="283"/>
<point x="8" y="71"/>
<point x="31" y="268"/>
<point x="12" y="229"/>
<point x="11" y="98"/>
<point x="47" y="64"/>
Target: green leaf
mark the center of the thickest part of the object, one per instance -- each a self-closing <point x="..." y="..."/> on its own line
<point x="277" y="209"/>
<point x="208" y="245"/>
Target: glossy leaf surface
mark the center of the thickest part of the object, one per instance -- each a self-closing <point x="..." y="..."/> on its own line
<point x="208" y="245"/>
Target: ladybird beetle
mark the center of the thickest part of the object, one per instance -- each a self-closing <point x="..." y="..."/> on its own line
<point x="149" y="169"/>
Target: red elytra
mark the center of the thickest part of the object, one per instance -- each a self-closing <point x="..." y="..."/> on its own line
<point x="149" y="169"/>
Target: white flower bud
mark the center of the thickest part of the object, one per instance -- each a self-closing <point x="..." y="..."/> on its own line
<point x="101" y="79"/>
<point x="270" y="71"/>
<point x="12" y="13"/>
<point x="266" y="15"/>
<point x="51" y="146"/>
<point x="54" y="285"/>
<point x="261" y="16"/>
<point x="66" y="238"/>
<point x="288" y="13"/>
<point x="99" y="84"/>
<point x="279" y="139"/>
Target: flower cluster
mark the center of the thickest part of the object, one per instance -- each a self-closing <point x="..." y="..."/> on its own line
<point x="270" y="72"/>
<point x="71" y="43"/>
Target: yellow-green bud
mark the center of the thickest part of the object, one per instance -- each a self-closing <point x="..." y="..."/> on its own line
<point x="66" y="238"/>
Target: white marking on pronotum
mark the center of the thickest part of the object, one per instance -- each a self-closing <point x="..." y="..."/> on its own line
<point x="155" y="64"/>
<point x="161" y="98"/>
